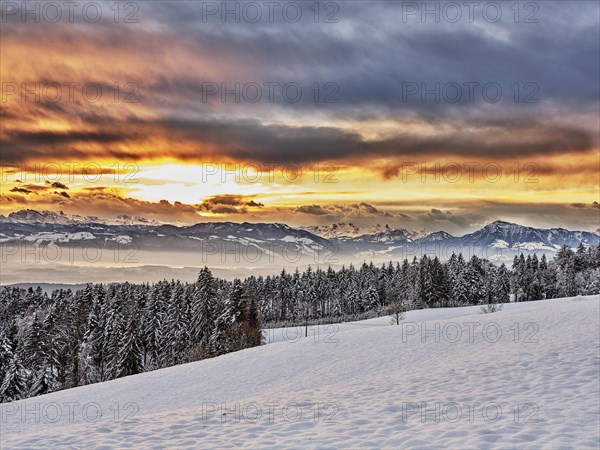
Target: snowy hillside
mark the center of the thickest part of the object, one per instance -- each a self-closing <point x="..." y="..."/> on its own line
<point x="524" y="377"/>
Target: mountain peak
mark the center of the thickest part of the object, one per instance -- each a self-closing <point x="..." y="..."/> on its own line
<point x="32" y="216"/>
<point x="498" y="223"/>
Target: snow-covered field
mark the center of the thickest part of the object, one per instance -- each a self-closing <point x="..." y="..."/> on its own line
<point x="525" y="377"/>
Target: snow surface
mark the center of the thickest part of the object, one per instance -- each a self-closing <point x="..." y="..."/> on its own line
<point x="358" y="384"/>
<point x="59" y="237"/>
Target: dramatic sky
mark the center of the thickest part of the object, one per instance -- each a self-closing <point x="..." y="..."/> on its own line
<point x="368" y="112"/>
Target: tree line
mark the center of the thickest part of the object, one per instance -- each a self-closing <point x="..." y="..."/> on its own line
<point x="102" y="332"/>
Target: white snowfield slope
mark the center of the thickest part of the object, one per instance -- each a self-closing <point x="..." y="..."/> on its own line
<point x="444" y="378"/>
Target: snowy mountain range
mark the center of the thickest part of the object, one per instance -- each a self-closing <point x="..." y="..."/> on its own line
<point x="213" y="243"/>
<point x="347" y="231"/>
<point x="273" y="242"/>
<point x="49" y="217"/>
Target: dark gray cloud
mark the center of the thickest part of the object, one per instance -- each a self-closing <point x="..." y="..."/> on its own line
<point x="61" y="138"/>
<point x="370" y="54"/>
<point x="250" y="140"/>
<point x="228" y="204"/>
<point x="341" y="212"/>
<point x="593" y="205"/>
<point x="21" y="190"/>
<point x="460" y="220"/>
<point x="315" y="210"/>
<point x="58" y="185"/>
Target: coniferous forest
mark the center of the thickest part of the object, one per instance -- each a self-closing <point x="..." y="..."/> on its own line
<point x="103" y="332"/>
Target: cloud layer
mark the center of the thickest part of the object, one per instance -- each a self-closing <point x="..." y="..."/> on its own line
<point x="368" y="86"/>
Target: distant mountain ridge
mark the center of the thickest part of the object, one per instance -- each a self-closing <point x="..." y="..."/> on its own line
<point x="347" y="231"/>
<point x="271" y="242"/>
<point x="215" y="243"/>
<point x="506" y="234"/>
<point x="33" y="216"/>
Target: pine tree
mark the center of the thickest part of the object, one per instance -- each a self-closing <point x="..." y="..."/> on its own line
<point x="501" y="285"/>
<point x="460" y="286"/>
<point x="47" y="375"/>
<point x="33" y="342"/>
<point x="93" y="347"/>
<point x="6" y="355"/>
<point x="474" y="277"/>
<point x="254" y="336"/>
<point x="203" y="308"/>
<point x="175" y="337"/>
<point x="151" y="328"/>
<point x="115" y="328"/>
<point x="232" y="310"/>
<point x="129" y="356"/>
<point x="14" y="377"/>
